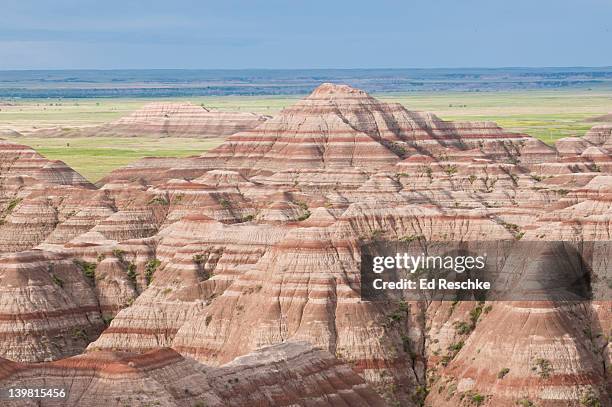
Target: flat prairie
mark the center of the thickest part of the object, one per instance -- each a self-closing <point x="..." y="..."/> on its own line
<point x="95" y="157"/>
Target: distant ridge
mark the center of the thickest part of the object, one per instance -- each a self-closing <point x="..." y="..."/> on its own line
<point x="602" y="118"/>
<point x="177" y="82"/>
<point x="167" y="119"/>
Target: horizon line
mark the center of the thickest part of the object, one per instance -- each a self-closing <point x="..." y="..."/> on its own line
<point x="308" y="69"/>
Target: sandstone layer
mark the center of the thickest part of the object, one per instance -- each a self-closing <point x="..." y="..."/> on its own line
<point x="165" y="119"/>
<point x="256" y="245"/>
<point x="285" y="374"/>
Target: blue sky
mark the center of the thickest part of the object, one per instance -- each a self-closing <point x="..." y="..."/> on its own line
<point x="65" y="34"/>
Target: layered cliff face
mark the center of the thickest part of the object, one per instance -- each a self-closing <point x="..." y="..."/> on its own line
<point x="166" y="119"/>
<point x="257" y="245"/>
<point x="285" y="374"/>
<point x="32" y="190"/>
<point x="182" y="120"/>
<point x="338" y="126"/>
<point x="22" y="165"/>
<point x="48" y="307"/>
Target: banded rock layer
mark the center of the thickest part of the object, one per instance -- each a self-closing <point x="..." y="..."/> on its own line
<point x="286" y="374"/>
<point x="257" y="244"/>
<point x="165" y="119"/>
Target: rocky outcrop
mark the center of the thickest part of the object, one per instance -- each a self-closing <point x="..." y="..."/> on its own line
<point x="19" y="162"/>
<point x="256" y="245"/>
<point x="338" y="126"/>
<point x="32" y="190"/>
<point x="166" y="119"/>
<point x="599" y="136"/>
<point x="286" y="374"/>
<point x="48" y="307"/>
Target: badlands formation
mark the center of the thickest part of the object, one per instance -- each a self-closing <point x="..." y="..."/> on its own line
<point x="233" y="278"/>
<point x="168" y="119"/>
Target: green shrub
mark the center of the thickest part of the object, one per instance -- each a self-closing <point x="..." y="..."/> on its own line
<point x="411" y="238"/>
<point x="150" y="269"/>
<point x="477" y="399"/>
<point x="57" y="281"/>
<point x="131" y="272"/>
<point x="543" y="367"/>
<point x="304" y="216"/>
<point x="88" y="269"/>
<point x="78" y="333"/>
<point x="225" y="203"/>
<point x="455" y="347"/>
<point x="247" y="218"/>
<point x="450" y="170"/>
<point x="463" y="328"/>
<point x="160" y="200"/>
<point x="199" y="259"/>
<point x="590" y="399"/>
<point x="118" y="253"/>
<point x="502" y="373"/>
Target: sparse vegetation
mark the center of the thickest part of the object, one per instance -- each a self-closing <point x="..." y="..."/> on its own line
<point x="407" y="346"/>
<point x="118" y="253"/>
<point x="304" y="216"/>
<point x="304" y="206"/>
<point x="563" y="192"/>
<point x="150" y="268"/>
<point x="9" y="209"/>
<point x="12" y="205"/>
<point x="502" y="373"/>
<point x="411" y="238"/>
<point x="477" y="399"/>
<point x="450" y="170"/>
<point x="455" y="347"/>
<point x="247" y="218"/>
<point x="514" y="229"/>
<point x="376" y="234"/>
<point x="225" y="203"/>
<point x="199" y="259"/>
<point x="476" y="312"/>
<point x="462" y="328"/>
<point x="420" y="394"/>
<point x="160" y="200"/>
<point x="57" y="281"/>
<point x="131" y="272"/>
<point x="590" y="399"/>
<point x="489" y="183"/>
<point x="543" y="368"/>
<point x="401" y="312"/>
<point x="88" y="269"/>
<point x="79" y="334"/>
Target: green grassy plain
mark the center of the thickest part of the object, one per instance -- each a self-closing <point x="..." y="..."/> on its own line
<point x="95" y="157"/>
<point x="548" y="115"/>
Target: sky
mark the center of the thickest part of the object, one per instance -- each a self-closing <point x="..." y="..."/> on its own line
<point x="231" y="34"/>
